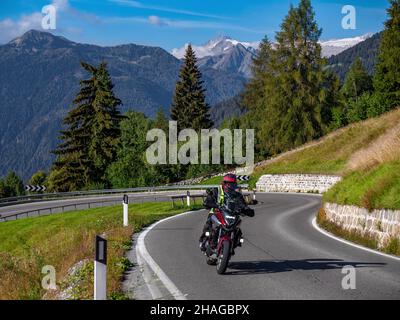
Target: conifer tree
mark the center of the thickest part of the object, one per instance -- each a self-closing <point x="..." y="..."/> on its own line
<point x="105" y="127"/>
<point x="73" y="168"/>
<point x="255" y="95"/>
<point x="387" y="70"/>
<point x="189" y="107"/>
<point x="297" y="88"/>
<point x="357" y="81"/>
<point x="91" y="137"/>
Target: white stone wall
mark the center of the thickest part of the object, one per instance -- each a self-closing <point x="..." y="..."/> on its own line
<point x="382" y="224"/>
<point x="296" y="183"/>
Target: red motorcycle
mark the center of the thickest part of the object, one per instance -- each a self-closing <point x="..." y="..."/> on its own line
<point x="225" y="234"/>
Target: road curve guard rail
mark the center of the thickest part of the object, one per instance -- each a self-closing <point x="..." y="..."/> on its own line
<point x="66" y="195"/>
<point x="91" y="203"/>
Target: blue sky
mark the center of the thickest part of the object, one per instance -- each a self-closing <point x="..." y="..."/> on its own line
<point x="172" y="23"/>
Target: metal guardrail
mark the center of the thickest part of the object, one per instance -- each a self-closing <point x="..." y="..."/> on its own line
<point x="66" y="195"/>
<point x="73" y="206"/>
<point x="247" y="196"/>
<point x="51" y="210"/>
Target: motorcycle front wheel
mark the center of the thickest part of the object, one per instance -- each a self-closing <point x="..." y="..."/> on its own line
<point x="223" y="258"/>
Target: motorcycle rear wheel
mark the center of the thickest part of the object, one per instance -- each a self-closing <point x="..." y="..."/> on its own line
<point x="223" y="258"/>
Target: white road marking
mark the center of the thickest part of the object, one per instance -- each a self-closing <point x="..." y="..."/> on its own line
<point x="143" y="253"/>
<point x="315" y="225"/>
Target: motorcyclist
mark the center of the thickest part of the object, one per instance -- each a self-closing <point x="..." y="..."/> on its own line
<point x="217" y="197"/>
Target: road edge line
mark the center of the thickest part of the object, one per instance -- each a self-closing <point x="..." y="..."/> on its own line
<point x="142" y="251"/>
<point x="330" y="235"/>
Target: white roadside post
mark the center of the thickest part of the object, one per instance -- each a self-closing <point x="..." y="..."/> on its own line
<point x="254" y="196"/>
<point x="100" y="269"/>
<point x="125" y="203"/>
<point x="188" y="198"/>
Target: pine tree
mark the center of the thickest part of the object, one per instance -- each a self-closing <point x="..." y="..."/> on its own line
<point x="161" y="121"/>
<point x="387" y="70"/>
<point x="298" y="88"/>
<point x="254" y="92"/>
<point x="73" y="168"/>
<point x="90" y="141"/>
<point x="189" y="107"/>
<point x="357" y="81"/>
<point x="14" y="184"/>
<point x="255" y="98"/>
<point x="105" y="130"/>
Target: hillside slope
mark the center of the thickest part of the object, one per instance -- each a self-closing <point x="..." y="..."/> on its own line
<point x="366" y="154"/>
<point x="366" y="50"/>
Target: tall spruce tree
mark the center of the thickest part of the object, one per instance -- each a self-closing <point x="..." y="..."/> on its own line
<point x="91" y="137"/>
<point x="73" y="167"/>
<point x="297" y="88"/>
<point x="105" y="127"/>
<point x="357" y="81"/>
<point x="387" y="70"/>
<point x="255" y="98"/>
<point x="189" y="107"/>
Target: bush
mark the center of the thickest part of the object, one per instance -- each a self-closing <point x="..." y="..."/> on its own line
<point x="11" y="186"/>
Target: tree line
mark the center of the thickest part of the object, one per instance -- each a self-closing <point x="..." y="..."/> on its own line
<point x="292" y="98"/>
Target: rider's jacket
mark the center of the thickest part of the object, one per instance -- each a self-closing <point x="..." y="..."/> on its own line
<point x="214" y="196"/>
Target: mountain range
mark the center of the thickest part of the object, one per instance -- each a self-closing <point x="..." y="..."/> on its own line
<point x="40" y="74"/>
<point x="226" y="54"/>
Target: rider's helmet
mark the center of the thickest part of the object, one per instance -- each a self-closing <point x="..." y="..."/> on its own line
<point x="229" y="182"/>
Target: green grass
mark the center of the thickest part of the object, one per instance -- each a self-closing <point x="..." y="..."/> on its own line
<point x="212" y="181"/>
<point x="330" y="156"/>
<point x="377" y="188"/>
<point x="61" y="240"/>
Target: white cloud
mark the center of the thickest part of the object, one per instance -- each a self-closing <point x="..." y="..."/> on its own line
<point x="10" y="29"/>
<point x="185" y="24"/>
<point x="157" y="21"/>
<point x="139" y="5"/>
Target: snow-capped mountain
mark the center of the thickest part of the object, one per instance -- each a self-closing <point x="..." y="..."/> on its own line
<point x="336" y="46"/>
<point x="214" y="47"/>
<point x="225" y="53"/>
<point x="222" y="44"/>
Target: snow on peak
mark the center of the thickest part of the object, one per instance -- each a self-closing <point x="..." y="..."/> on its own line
<point x="214" y="47"/>
<point x="335" y="46"/>
<point x="222" y="44"/>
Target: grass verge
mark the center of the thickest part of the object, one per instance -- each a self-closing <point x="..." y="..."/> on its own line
<point x="375" y="188"/>
<point x="62" y="240"/>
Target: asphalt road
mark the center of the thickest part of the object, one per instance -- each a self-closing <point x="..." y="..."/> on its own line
<point x="283" y="257"/>
<point x="80" y="202"/>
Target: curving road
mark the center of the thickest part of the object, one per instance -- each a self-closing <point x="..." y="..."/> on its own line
<point x="283" y="257"/>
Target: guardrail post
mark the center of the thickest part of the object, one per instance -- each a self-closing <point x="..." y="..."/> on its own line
<point x="188" y="198"/>
<point x="125" y="209"/>
<point x="100" y="269"/>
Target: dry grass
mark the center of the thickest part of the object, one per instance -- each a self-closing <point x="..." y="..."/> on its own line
<point x="333" y="153"/>
<point x="386" y="148"/>
<point x="364" y="239"/>
<point x="62" y="240"/>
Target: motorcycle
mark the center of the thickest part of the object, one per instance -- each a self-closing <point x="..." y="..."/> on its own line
<point x="225" y="234"/>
